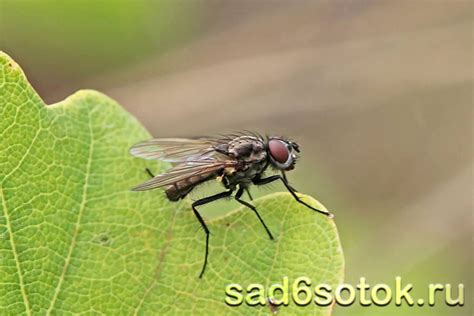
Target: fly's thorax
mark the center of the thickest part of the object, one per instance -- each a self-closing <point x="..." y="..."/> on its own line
<point x="245" y="174"/>
<point x="247" y="149"/>
<point x="251" y="155"/>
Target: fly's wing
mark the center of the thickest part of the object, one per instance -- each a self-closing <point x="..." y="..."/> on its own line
<point x="192" y="157"/>
<point x="184" y="171"/>
<point x="176" y="150"/>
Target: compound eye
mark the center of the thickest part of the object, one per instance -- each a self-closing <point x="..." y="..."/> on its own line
<point x="279" y="150"/>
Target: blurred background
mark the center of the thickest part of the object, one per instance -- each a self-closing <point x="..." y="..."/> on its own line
<point x="377" y="93"/>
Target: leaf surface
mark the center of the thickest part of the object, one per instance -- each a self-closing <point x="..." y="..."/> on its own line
<point x="75" y="239"/>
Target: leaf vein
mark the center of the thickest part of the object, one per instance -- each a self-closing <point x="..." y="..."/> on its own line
<point x="160" y="264"/>
<point x="79" y="218"/>
<point x="15" y="254"/>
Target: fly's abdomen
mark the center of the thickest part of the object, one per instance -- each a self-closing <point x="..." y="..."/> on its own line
<point x="180" y="189"/>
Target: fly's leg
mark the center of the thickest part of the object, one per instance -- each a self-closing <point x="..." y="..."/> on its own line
<point x="286" y="180"/>
<point x="291" y="190"/>
<point x="203" y="224"/>
<point x="253" y="208"/>
<point x="248" y="193"/>
<point x="149" y="172"/>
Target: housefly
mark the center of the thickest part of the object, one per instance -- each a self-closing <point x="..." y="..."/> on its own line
<point x="237" y="161"/>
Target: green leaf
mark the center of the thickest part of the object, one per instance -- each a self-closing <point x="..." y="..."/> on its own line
<point x="75" y="239"/>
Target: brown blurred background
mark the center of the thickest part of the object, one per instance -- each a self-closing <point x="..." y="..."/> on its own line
<point x="378" y="94"/>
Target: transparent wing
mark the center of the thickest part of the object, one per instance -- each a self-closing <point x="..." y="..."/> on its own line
<point x="184" y="171"/>
<point x="176" y="150"/>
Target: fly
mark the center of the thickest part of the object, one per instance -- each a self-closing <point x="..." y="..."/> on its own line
<point x="237" y="161"/>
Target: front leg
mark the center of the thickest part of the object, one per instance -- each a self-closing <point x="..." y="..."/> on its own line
<point x="286" y="180"/>
<point x="259" y="181"/>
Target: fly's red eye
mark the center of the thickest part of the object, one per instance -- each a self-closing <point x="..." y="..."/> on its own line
<point x="279" y="150"/>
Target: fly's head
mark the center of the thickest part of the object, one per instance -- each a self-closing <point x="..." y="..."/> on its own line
<point x="282" y="153"/>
